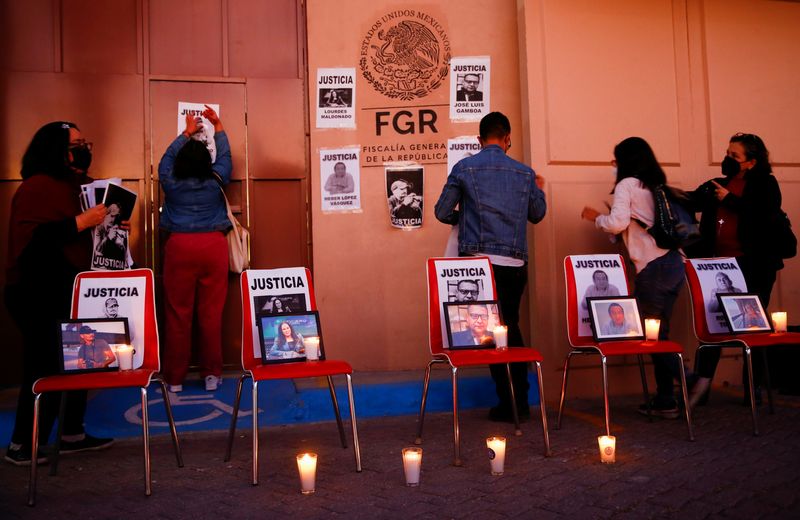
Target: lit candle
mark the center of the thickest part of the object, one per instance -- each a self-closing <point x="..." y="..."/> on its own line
<point x="497" y="454"/>
<point x="125" y="357"/>
<point x="779" y="321"/>
<point x="500" y="336"/>
<point x="307" y="466"/>
<point x="608" y="448"/>
<point x="312" y="348"/>
<point x="412" y="463"/>
<point x="651" y="328"/>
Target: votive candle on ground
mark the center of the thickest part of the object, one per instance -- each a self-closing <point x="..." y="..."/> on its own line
<point x="307" y="466"/>
<point x="500" y="336"/>
<point x="497" y="454"/>
<point x="125" y="357"/>
<point x="312" y="348"/>
<point x="608" y="448"/>
<point x="651" y="329"/>
<point x="412" y="464"/>
<point x="779" y="321"/>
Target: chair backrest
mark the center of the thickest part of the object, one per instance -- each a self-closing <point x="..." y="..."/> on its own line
<point x="133" y="291"/>
<point x="590" y="276"/>
<point x="444" y="275"/>
<point x="706" y="278"/>
<point x="291" y="287"/>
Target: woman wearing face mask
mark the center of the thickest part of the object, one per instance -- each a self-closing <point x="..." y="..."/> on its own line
<point x="49" y="242"/>
<point x="738" y="213"/>
<point x="659" y="272"/>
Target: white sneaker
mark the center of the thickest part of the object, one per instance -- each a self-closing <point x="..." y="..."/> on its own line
<point x="212" y="382"/>
<point x="175" y="388"/>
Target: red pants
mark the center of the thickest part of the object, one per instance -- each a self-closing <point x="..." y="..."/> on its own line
<point x="195" y="277"/>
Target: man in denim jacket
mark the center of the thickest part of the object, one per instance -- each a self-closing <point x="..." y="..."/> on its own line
<point x="497" y="196"/>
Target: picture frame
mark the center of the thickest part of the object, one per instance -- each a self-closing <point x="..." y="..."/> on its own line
<point x="461" y="326"/>
<point x="78" y="357"/>
<point x="276" y="349"/>
<point x="744" y="313"/>
<point x="609" y="324"/>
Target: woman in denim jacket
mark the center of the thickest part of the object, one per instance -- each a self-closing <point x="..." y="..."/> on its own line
<point x="196" y="252"/>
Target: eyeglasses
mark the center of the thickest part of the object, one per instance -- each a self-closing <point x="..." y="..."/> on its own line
<point x="471" y="81"/>
<point x="81" y="143"/>
<point x="476" y="317"/>
<point x="473" y="292"/>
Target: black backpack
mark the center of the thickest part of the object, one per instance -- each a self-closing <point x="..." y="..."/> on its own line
<point x="674" y="226"/>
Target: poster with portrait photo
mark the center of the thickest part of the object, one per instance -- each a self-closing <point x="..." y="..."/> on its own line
<point x="404" y="195"/>
<point x="718" y="276"/>
<point x="290" y="285"/>
<point x="470" y="88"/>
<point x="744" y="313"/>
<point x="282" y="338"/>
<point x="110" y="247"/>
<point x="91" y="345"/>
<point x="336" y="98"/>
<point x="340" y="179"/>
<point x="471" y="325"/>
<point x="472" y="275"/>
<point x="206" y="133"/>
<point x="596" y="276"/>
<point x="615" y="318"/>
<point x="115" y="298"/>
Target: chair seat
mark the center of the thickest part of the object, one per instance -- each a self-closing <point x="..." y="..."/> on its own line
<point x="465" y="358"/>
<point x="758" y="339"/>
<point x="623" y="348"/>
<point x="300" y="370"/>
<point x="91" y="380"/>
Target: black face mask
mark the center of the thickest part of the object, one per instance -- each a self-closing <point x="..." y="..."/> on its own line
<point x="730" y="166"/>
<point x="81" y="158"/>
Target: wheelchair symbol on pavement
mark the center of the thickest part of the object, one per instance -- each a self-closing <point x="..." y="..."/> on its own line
<point x="134" y="414"/>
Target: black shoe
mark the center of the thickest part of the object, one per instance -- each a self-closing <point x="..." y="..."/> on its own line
<point x="503" y="414"/>
<point x="662" y="409"/>
<point x="88" y="443"/>
<point x="22" y="456"/>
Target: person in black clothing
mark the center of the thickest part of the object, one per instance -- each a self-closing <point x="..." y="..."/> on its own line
<point x="739" y="212"/>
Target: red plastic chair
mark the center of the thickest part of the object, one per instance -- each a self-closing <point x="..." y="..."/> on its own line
<point x="468" y="358"/>
<point x="746" y="342"/>
<point x="255" y="370"/>
<point x="141" y="376"/>
<point x="585" y="345"/>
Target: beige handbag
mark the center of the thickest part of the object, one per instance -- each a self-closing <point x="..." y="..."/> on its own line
<point x="238" y="239"/>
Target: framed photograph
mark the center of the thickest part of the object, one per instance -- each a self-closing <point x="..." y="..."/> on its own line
<point x="470" y="324"/>
<point x="286" y="338"/>
<point x="279" y="304"/>
<point x="90" y="345"/>
<point x="615" y="318"/>
<point x="744" y="312"/>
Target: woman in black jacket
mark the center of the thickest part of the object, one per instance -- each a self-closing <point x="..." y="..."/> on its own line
<point x="740" y="212"/>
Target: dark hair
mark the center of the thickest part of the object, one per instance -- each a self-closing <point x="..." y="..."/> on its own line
<point x="754" y="148"/>
<point x="599" y="271"/>
<point x="636" y="159"/>
<point x="494" y="125"/>
<point x="48" y="151"/>
<point x="615" y="305"/>
<point x="193" y="160"/>
<point x="281" y="337"/>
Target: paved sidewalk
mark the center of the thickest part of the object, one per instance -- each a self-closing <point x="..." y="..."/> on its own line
<point x="726" y="472"/>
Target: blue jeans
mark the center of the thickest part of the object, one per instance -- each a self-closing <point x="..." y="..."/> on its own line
<point x="656" y="288"/>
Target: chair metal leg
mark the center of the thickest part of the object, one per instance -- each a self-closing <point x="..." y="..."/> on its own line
<point x="514" y="412"/>
<point x="604" y="364"/>
<point x="547" y="452"/>
<point x="336" y="411"/>
<point x="749" y="361"/>
<point x="255" y="432"/>
<point x="34" y="451"/>
<point x="176" y="445"/>
<point x="356" y="446"/>
<point x="232" y="429"/>
<point x="645" y="391"/>
<point x="146" y="441"/>
<point x="767" y="382"/>
<point x="54" y="458"/>
<point x="686" y="408"/>
<point x="421" y="418"/>
<point x="563" y="390"/>
<point x="456" y="435"/>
